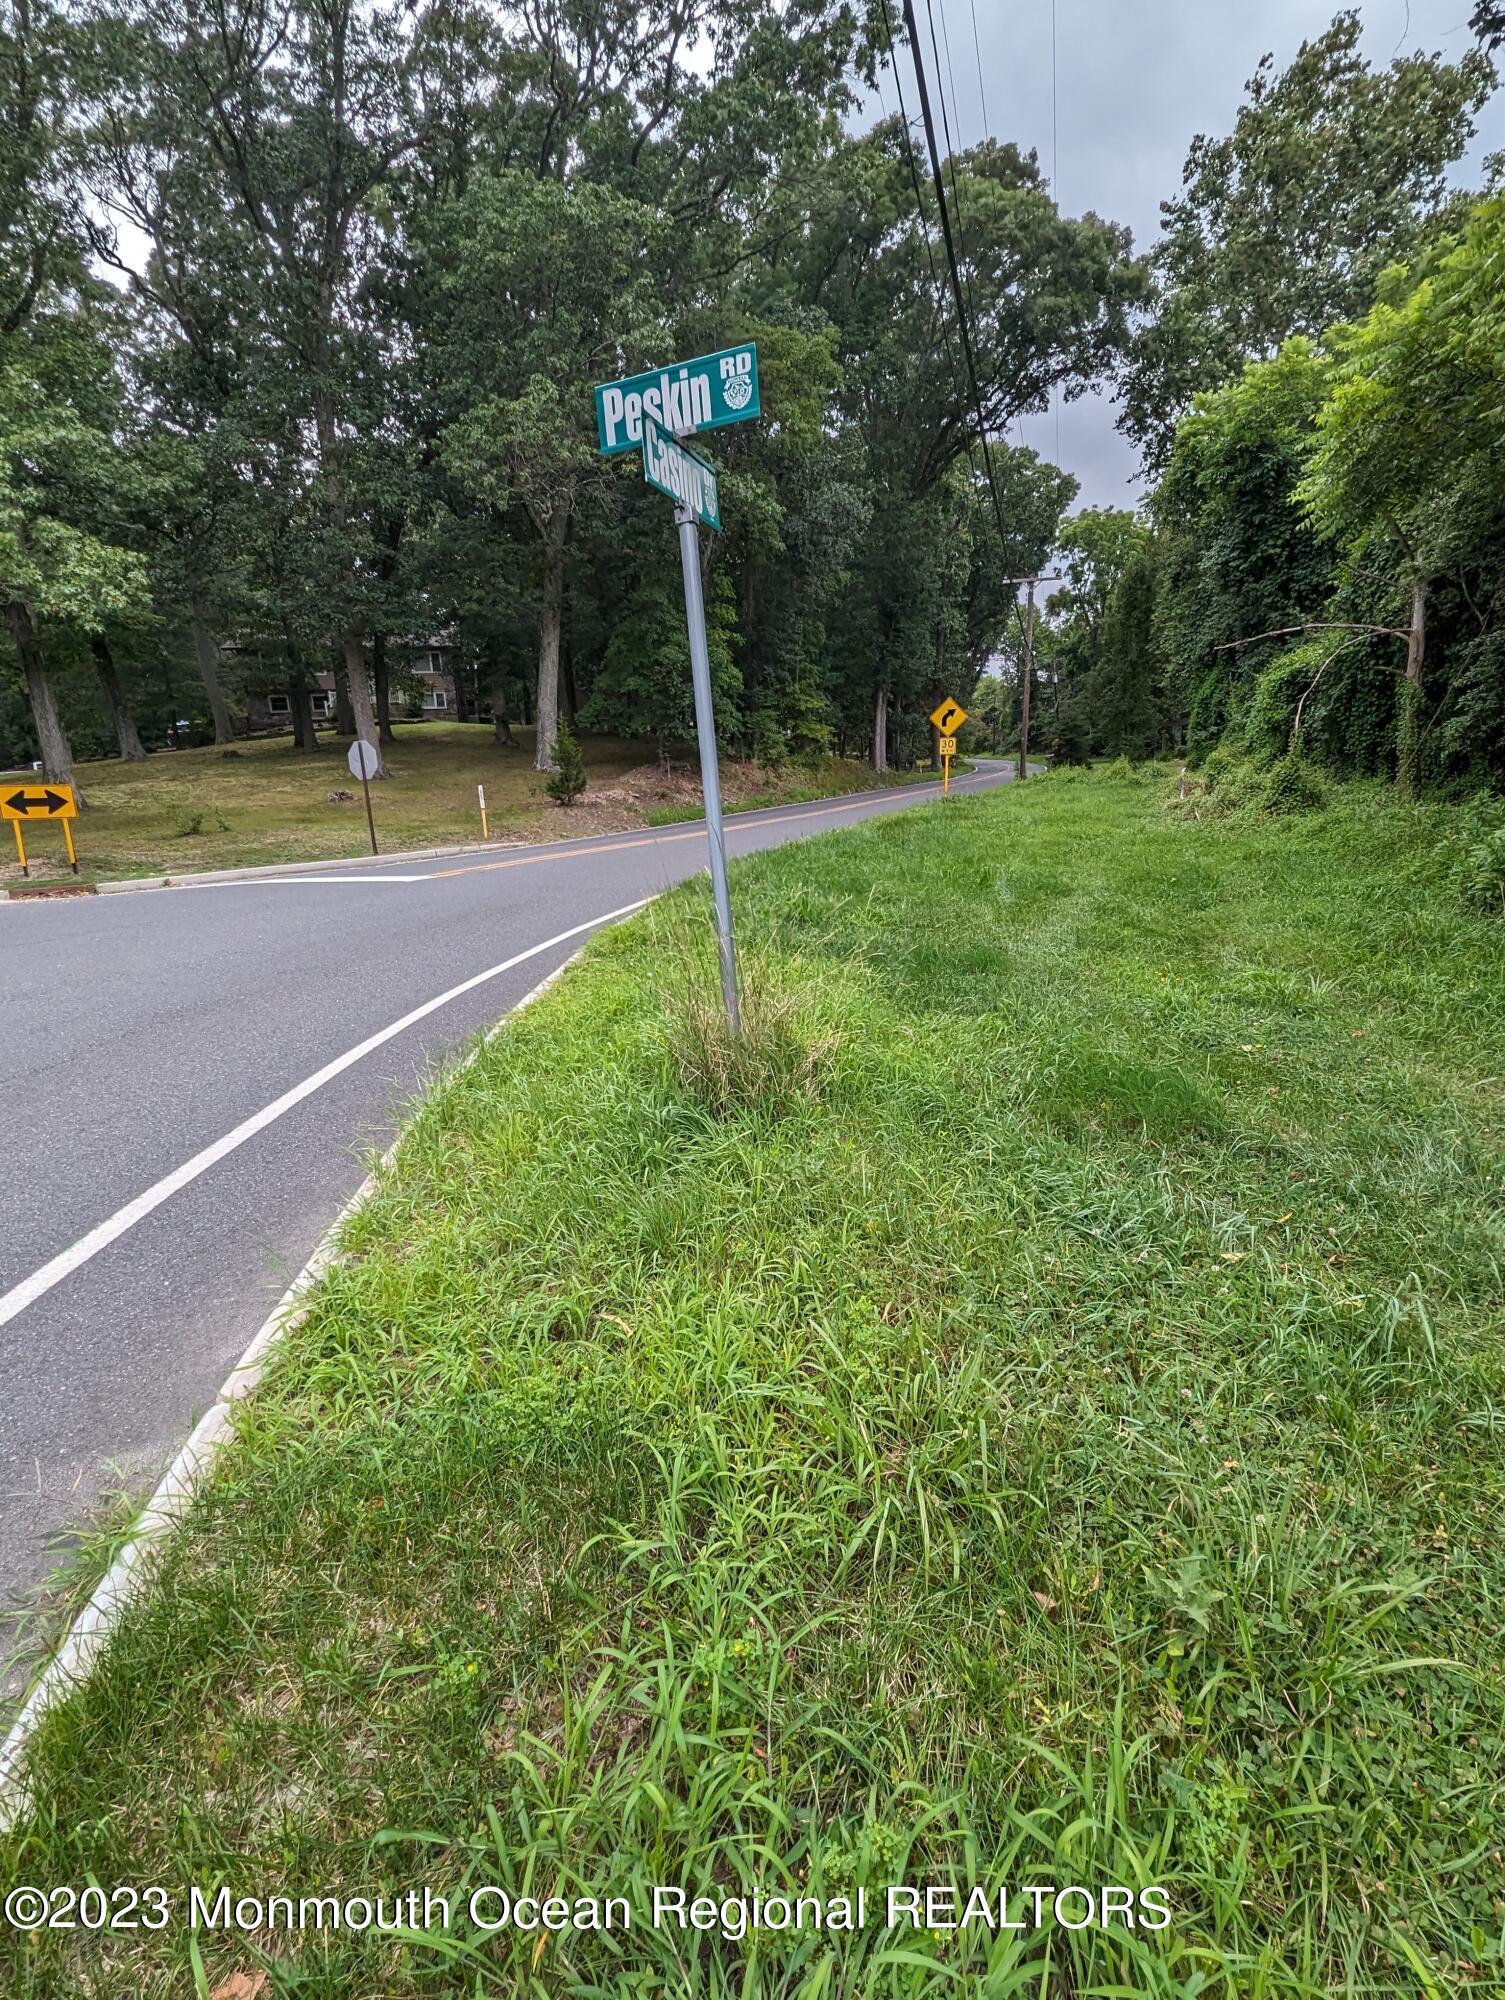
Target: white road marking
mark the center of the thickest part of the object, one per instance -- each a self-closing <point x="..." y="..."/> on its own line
<point x="297" y="881"/>
<point x="19" y="1297"/>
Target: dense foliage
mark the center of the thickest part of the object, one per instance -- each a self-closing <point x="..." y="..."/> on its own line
<point x="1320" y="569"/>
<point x="301" y="305"/>
<point x="300" y="310"/>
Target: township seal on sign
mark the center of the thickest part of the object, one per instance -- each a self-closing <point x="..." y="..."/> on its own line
<point x="737" y="390"/>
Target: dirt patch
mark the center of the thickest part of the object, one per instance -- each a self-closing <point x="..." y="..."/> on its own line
<point x="623" y="804"/>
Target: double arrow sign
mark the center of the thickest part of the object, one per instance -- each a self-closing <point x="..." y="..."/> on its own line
<point x="45" y="804"/>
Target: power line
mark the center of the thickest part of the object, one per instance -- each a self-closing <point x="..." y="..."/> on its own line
<point x="951" y="144"/>
<point x="919" y="199"/>
<point x="982" y="96"/>
<point x="956" y="283"/>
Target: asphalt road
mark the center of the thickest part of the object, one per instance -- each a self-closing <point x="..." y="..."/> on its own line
<point x="142" y="1029"/>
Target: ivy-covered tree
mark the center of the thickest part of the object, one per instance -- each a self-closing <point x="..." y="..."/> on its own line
<point x="1404" y="471"/>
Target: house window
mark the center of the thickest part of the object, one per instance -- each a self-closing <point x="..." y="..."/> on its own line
<point x="321" y="704"/>
<point x="279" y="704"/>
<point x="435" y="698"/>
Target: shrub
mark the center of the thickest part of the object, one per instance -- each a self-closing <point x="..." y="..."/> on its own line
<point x="566" y="783"/>
<point x="1217" y="764"/>
<point x="1481" y="877"/>
<point x="1293" y="787"/>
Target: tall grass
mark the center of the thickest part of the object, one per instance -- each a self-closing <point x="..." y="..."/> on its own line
<point x="1037" y="1423"/>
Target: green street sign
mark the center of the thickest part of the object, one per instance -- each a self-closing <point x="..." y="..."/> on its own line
<point x="681" y="474"/>
<point x="699" y="395"/>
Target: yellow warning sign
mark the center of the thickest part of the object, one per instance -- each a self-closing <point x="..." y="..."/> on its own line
<point x="41" y="801"/>
<point x="948" y="716"/>
<point x="948" y="746"/>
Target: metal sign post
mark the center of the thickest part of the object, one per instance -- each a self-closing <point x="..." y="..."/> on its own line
<point x="710" y="774"/>
<point x="646" y="410"/>
<point x="948" y="716"/>
<point x="363" y="760"/>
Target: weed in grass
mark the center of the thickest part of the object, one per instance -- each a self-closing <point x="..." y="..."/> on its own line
<point x="81" y="1557"/>
<point x="783" y="1050"/>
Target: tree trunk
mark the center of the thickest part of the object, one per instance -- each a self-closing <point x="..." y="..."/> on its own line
<point x="1408" y="724"/>
<point x="57" y="756"/>
<point x="880" y="730"/>
<point x="206" y="653"/>
<point x="126" y="734"/>
<point x="549" y="622"/>
<point x="299" y="694"/>
<point x="567" y="677"/>
<point x="1026" y="683"/>
<point x="344" y="712"/>
<point x="382" y="680"/>
<point x="363" y="709"/>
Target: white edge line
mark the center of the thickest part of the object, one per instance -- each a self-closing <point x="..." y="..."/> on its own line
<point x="29" y="1290"/>
<point x="90" y="1631"/>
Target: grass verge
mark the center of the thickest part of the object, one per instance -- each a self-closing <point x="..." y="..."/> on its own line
<point x="1035" y="1418"/>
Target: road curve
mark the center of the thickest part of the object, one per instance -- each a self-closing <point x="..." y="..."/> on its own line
<point x="144" y="1031"/>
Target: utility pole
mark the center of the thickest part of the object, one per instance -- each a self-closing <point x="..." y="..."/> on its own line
<point x="1027" y="672"/>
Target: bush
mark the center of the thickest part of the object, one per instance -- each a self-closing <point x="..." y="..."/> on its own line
<point x="567" y="783"/>
<point x="1293" y="787"/>
<point x="1481" y="878"/>
<point x="1217" y="764"/>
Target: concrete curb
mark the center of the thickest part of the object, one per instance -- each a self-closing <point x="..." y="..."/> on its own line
<point x="90" y="1631"/>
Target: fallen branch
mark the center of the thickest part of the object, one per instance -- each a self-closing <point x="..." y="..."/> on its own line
<point x="1334" y="625"/>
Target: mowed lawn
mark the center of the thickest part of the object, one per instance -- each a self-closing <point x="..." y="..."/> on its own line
<point x="188" y="810"/>
<point x="1033" y="1417"/>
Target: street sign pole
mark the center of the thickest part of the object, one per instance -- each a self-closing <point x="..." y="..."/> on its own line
<point x="710" y="776"/>
<point x="362" y="759"/>
<point x="657" y="412"/>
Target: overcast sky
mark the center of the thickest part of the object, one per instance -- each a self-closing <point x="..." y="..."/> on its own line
<point x="1135" y="81"/>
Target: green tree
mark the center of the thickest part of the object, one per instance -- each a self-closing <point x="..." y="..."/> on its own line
<point x="1332" y="171"/>
<point x="567" y="780"/>
<point x="59" y="464"/>
<point x="545" y="289"/>
<point x="644" y="688"/>
<point x="1237" y="558"/>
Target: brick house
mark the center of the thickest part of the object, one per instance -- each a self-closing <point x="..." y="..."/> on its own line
<point x="423" y="690"/>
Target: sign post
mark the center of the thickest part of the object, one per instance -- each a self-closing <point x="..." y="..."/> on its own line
<point x="948" y="716"/>
<point x="657" y="411"/>
<point x="363" y="760"/>
<point x="688" y="481"/>
<point x="48" y="801"/>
